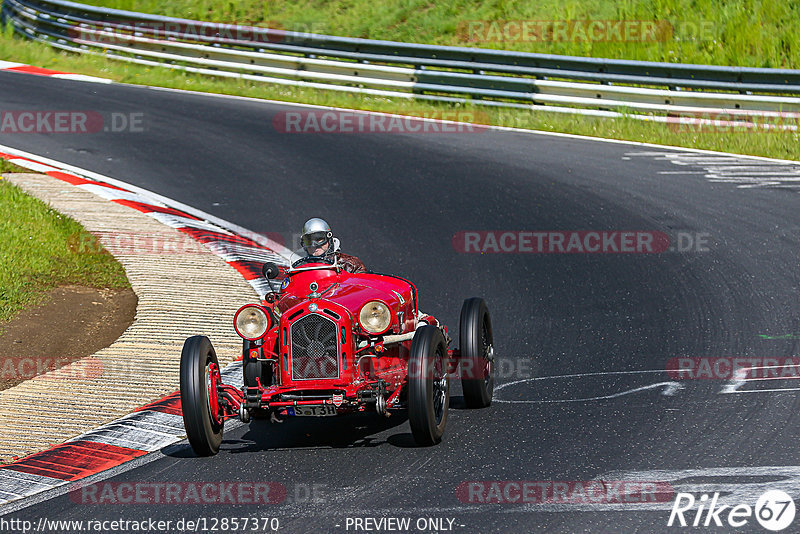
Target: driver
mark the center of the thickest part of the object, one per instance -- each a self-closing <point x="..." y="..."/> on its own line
<point x="317" y="240"/>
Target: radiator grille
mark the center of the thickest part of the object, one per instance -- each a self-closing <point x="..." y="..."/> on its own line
<point x="314" y="348"/>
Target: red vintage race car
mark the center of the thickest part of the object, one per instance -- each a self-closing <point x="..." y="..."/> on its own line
<point x="332" y="342"/>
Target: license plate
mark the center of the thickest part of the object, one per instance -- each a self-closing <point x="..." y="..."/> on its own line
<point x="312" y="411"/>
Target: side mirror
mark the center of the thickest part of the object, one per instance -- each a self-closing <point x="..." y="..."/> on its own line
<point x="270" y="270"/>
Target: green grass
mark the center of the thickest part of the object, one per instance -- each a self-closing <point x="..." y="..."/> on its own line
<point x="10" y="167"/>
<point x="41" y="250"/>
<point x="758" y="33"/>
<point x="763" y="143"/>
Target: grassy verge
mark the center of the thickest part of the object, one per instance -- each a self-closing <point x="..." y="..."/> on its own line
<point x="779" y="144"/>
<point x="759" y="33"/>
<point x="39" y="251"/>
<point x="5" y="166"/>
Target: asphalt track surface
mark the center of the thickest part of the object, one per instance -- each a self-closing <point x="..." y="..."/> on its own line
<point x="396" y="200"/>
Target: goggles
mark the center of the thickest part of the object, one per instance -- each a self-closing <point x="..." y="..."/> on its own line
<point x="315" y="240"/>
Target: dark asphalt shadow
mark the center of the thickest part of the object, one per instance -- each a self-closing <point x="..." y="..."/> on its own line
<point x="346" y="431"/>
<point x="457" y="402"/>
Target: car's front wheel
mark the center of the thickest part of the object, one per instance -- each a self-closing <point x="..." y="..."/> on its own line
<point x="202" y="413"/>
<point x="428" y="386"/>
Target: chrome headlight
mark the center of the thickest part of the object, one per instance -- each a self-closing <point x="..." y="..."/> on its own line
<point x="251" y="322"/>
<point x="375" y="317"/>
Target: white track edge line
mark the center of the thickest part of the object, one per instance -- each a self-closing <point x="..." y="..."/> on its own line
<point x="489" y="126"/>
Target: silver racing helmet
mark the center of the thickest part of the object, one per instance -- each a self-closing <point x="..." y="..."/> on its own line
<point x="316" y="233"/>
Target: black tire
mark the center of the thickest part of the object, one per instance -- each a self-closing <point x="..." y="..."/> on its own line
<point x="203" y="429"/>
<point x="428" y="386"/>
<point x="477" y="353"/>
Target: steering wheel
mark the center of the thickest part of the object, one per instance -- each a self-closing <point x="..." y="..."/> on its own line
<point x="312" y="259"/>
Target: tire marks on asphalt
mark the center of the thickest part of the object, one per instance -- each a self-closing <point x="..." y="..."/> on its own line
<point x="743" y="172"/>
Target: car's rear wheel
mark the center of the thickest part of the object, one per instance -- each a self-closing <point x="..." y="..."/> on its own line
<point x="428" y="386"/>
<point x="477" y="353"/>
<point x="202" y="413"/>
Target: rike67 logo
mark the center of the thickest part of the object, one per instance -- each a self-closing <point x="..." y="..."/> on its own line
<point x="774" y="510"/>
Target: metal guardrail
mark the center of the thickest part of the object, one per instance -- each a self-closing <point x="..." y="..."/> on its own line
<point x="429" y="72"/>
